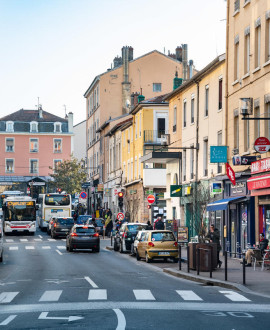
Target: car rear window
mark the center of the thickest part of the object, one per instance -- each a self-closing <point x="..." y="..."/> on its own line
<point x="65" y="221"/>
<point x="99" y="223"/>
<point x="163" y="236"/>
<point x="82" y="230"/>
<point x="135" y="228"/>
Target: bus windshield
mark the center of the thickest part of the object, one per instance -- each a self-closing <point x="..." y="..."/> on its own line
<point x="57" y="200"/>
<point x="20" y="211"/>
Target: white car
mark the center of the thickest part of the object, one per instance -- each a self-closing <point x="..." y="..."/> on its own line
<point x="1" y="241"/>
<point x="137" y="239"/>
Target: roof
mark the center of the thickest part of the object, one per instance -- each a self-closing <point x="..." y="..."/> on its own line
<point x="32" y="115"/>
<point x="198" y="76"/>
<point x="107" y="122"/>
<point x="117" y="126"/>
<point x="158" y="100"/>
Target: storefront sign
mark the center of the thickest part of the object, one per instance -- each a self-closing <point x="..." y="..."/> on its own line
<point x="132" y="192"/>
<point x="182" y="234"/>
<point x="107" y="192"/>
<point x="100" y="187"/>
<point x="259" y="166"/>
<point x="176" y="191"/>
<point x="262" y="145"/>
<point x="243" y="160"/>
<point x="216" y="187"/>
<point x="259" y="182"/>
<point x="240" y="188"/>
<point x="230" y="173"/>
<point x="218" y="154"/>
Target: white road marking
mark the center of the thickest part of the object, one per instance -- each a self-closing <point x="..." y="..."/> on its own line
<point x="46" y="247"/>
<point x="8" y="320"/>
<point x="7" y="297"/>
<point x="44" y="316"/>
<point x="9" y="240"/>
<point x="143" y="295"/>
<point x="51" y="239"/>
<point x="234" y="296"/>
<point x="121" y="319"/>
<point x="61" y="247"/>
<point x="40" y="236"/>
<point x="52" y="295"/>
<point x="13" y="248"/>
<point x="63" y="239"/>
<point x="38" y="239"/>
<point x="23" y="239"/>
<point x="88" y="279"/>
<point x="29" y="247"/>
<point x="97" y="294"/>
<point x="59" y="252"/>
<point x="188" y="295"/>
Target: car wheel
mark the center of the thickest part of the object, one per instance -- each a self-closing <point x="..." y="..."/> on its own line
<point x="97" y="249"/>
<point x="1" y="258"/>
<point x="147" y="259"/>
<point x="67" y="248"/>
<point x="70" y="248"/>
<point x="137" y="256"/>
<point x="115" y="246"/>
<point x="175" y="260"/>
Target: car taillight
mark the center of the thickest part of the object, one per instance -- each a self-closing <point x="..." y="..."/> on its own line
<point x="96" y="235"/>
<point x="54" y="225"/>
<point x="151" y="244"/>
<point x="73" y="234"/>
<point x="175" y="244"/>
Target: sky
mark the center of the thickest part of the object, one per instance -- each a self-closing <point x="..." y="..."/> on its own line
<point x="53" y="49"/>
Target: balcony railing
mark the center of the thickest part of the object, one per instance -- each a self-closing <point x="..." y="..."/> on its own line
<point x="154" y="137"/>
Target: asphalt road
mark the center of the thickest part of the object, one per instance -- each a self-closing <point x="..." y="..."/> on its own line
<point x="42" y="286"/>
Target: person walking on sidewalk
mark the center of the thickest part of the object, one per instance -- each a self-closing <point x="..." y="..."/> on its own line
<point x="213" y="236"/>
<point x="159" y="224"/>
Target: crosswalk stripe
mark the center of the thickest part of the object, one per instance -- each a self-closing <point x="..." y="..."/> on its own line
<point x="9" y="240"/>
<point x="23" y="239"/>
<point x="63" y="239"/>
<point x="97" y="294"/>
<point x="52" y="295"/>
<point x="61" y="247"/>
<point x="6" y="297"/>
<point x="13" y="248"/>
<point x="46" y="247"/>
<point x="8" y="320"/>
<point x="38" y="239"/>
<point x="143" y="295"/>
<point x="234" y="296"/>
<point x="188" y="295"/>
<point x="29" y="248"/>
<point x="51" y="239"/>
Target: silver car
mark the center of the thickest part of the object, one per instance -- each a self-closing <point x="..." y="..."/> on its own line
<point x="1" y="241"/>
<point x="137" y="239"/>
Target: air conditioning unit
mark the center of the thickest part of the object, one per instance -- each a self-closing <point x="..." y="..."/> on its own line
<point x="165" y="139"/>
<point x="235" y="151"/>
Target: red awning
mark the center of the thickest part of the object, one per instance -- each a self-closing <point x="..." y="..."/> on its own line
<point x="259" y="182"/>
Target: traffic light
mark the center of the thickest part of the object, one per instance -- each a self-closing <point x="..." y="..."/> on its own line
<point x="120" y="200"/>
<point x="149" y="206"/>
<point x="157" y="198"/>
<point x="59" y="190"/>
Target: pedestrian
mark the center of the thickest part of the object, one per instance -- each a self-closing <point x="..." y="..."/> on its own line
<point x="159" y="224"/>
<point x="108" y="226"/>
<point x="149" y="226"/>
<point x="213" y="236"/>
<point x="250" y="252"/>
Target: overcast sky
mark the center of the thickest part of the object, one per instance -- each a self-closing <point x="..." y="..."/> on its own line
<point x="53" y="49"/>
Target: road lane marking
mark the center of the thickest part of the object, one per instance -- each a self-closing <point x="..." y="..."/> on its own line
<point x="51" y="239"/>
<point x="61" y="247"/>
<point x="40" y="236"/>
<point x="59" y="252"/>
<point x="8" y="320"/>
<point x="121" y="319"/>
<point x="13" y="248"/>
<point x="88" y="279"/>
<point x="46" y="247"/>
<point x="234" y="296"/>
<point x="51" y="295"/>
<point x="97" y="294"/>
<point x="23" y="239"/>
<point x="7" y="297"/>
<point x="29" y="248"/>
<point x="188" y="295"/>
<point x="63" y="239"/>
<point x="143" y="295"/>
<point x="9" y="240"/>
<point x="44" y="316"/>
<point x="38" y="239"/>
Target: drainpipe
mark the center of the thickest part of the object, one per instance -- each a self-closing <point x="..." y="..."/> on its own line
<point x="197" y="154"/>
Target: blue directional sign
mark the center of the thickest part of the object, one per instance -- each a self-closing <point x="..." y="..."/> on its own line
<point x="218" y="154"/>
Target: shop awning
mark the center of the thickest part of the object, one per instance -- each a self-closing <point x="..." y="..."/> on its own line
<point x="221" y="204"/>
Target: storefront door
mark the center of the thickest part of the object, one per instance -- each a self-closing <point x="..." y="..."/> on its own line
<point x="233" y="226"/>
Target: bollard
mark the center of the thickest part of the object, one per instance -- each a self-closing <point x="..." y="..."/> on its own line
<point x="198" y="261"/>
<point x="211" y="261"/>
<point x="244" y="269"/>
<point x="226" y="265"/>
<point x="188" y="259"/>
<point x="179" y="255"/>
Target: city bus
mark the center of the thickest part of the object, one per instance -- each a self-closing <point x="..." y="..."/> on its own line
<point x="7" y="193"/>
<point x="19" y="214"/>
<point x="53" y="205"/>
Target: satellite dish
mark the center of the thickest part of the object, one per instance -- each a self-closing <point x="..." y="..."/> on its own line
<point x="127" y="103"/>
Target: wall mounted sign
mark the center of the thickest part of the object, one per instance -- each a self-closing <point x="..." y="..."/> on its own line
<point x="262" y="165"/>
<point x="218" y="154"/>
<point x="262" y="145"/>
<point x="230" y="173"/>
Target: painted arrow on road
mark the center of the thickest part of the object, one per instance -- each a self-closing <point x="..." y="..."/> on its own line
<point x="44" y="316"/>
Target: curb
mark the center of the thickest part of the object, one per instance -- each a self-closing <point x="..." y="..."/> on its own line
<point x="110" y="248"/>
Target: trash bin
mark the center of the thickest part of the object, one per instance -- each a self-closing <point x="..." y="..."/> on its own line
<point x="205" y="258"/>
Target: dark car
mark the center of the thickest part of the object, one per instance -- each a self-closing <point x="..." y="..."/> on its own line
<point x="83" y="237"/>
<point x="99" y="224"/>
<point x="83" y="219"/>
<point x="61" y="226"/>
<point x="124" y="238"/>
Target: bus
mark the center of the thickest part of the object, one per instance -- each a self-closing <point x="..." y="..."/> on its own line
<point x="19" y="214"/>
<point x="7" y="193"/>
<point x="53" y="205"/>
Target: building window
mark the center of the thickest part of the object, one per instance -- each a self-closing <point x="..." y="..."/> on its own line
<point x="33" y="127"/>
<point x="247" y="50"/>
<point x="257" y="43"/>
<point x="236" y="5"/>
<point x="266" y="122"/>
<point x="192" y="162"/>
<point x="140" y="125"/>
<point x="220" y="85"/>
<point x="57" y="128"/>
<point x="156" y="87"/>
<point x="9" y="144"/>
<point x="185" y="114"/>
<point x="131" y="171"/>
<point x="9" y="165"/>
<point x="97" y="95"/>
<point x="10" y="126"/>
<point x="267" y="39"/>
<point x="135" y="169"/>
<point x="174" y="118"/>
<point x="192" y="111"/>
<point x="33" y="145"/>
<point x="205" y="157"/>
<point x="236" y="132"/>
<point x="246" y="135"/>
<point x="184" y="165"/>
<point x="57" y="162"/>
<point x="136" y="128"/>
<point x="236" y="58"/>
<point x="219" y="143"/>
<point x="206" y="110"/>
<point x="257" y="122"/>
<point x="33" y="166"/>
<point x="57" y="145"/>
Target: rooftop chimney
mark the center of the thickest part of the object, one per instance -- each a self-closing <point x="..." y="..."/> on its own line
<point x="70" y="122"/>
<point x="185" y="61"/>
<point x="40" y="111"/>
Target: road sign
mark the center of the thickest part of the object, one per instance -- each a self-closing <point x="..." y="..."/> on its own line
<point x="151" y="199"/>
<point x="262" y="145"/>
<point x="83" y="195"/>
<point x="120" y="216"/>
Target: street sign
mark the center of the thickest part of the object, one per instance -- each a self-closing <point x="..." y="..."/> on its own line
<point x="218" y="154"/>
<point x="230" y="173"/>
<point x="262" y="145"/>
<point x="151" y="199"/>
<point x="83" y="195"/>
<point x="176" y="190"/>
<point x="120" y="216"/>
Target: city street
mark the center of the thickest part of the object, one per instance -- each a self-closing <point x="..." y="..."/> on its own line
<point x="42" y="286"/>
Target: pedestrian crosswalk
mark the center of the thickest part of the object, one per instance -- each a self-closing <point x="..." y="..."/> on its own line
<point x="32" y="240"/>
<point x="32" y="247"/>
<point x="135" y="295"/>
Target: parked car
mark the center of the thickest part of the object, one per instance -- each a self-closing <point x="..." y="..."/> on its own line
<point x="137" y="239"/>
<point x="100" y="222"/>
<point x="158" y="244"/>
<point x="83" y="219"/>
<point x="126" y="235"/>
<point x="1" y="241"/>
<point x="61" y="226"/>
<point x="83" y="237"/>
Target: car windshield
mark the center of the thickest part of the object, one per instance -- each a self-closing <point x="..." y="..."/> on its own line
<point x="82" y="230"/>
<point x="165" y="236"/>
<point x="135" y="228"/>
<point x="68" y="221"/>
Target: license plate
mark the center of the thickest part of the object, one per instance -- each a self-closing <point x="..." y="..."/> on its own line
<point x="64" y="229"/>
<point x="164" y="253"/>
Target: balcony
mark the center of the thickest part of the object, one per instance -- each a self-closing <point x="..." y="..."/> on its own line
<point x="154" y="177"/>
<point x="155" y="137"/>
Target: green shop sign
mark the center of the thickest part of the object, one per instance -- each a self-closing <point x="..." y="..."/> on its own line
<point x="176" y="190"/>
